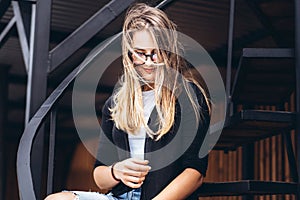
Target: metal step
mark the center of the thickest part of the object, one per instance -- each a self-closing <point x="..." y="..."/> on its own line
<point x="268" y="53"/>
<point x="248" y="126"/>
<point x="264" y="76"/>
<point x="246" y="187"/>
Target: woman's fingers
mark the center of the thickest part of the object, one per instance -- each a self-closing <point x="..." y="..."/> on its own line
<point x="132" y="171"/>
<point x="135" y="173"/>
<point x="133" y="179"/>
<point x="133" y="185"/>
<point x="139" y="161"/>
<point x="137" y="167"/>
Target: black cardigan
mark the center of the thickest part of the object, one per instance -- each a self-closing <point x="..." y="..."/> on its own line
<point x="163" y="170"/>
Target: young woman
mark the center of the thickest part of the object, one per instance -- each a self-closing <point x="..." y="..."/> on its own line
<point x="152" y="156"/>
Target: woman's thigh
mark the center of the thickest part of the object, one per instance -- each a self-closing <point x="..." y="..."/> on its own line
<point x="81" y="195"/>
<point x="132" y="195"/>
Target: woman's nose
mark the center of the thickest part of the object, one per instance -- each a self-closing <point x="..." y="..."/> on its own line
<point x="148" y="60"/>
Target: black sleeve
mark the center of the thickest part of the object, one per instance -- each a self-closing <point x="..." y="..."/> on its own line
<point x="107" y="153"/>
<point x="191" y="157"/>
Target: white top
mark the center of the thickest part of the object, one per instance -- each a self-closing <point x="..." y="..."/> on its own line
<point x="137" y="141"/>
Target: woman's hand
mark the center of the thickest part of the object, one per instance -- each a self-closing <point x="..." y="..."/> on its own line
<point x="132" y="171"/>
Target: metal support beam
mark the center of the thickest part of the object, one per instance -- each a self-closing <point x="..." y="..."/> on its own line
<point x="55" y="37"/>
<point x="86" y="31"/>
<point x="268" y="53"/>
<point x="239" y="42"/>
<point x="297" y="65"/>
<point x="4" y="4"/>
<point x="229" y="56"/>
<point x="51" y="151"/>
<point x="4" y="34"/>
<point x="22" y="33"/>
<point x="291" y="157"/>
<point x="37" y="80"/>
<point x="3" y="119"/>
<point x="264" y="20"/>
<point x="164" y="4"/>
<point x="27" y="1"/>
<point x="25" y="9"/>
<point x="248" y="165"/>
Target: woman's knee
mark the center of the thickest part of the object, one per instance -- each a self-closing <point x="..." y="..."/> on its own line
<point x="61" y="196"/>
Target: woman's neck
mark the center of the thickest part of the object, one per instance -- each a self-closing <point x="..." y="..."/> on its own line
<point x="148" y="87"/>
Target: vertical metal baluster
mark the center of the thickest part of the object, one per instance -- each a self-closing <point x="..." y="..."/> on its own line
<point x="229" y="56"/>
<point x="36" y="90"/>
<point x="291" y="156"/>
<point x="51" y="150"/>
<point x="297" y="65"/>
<point x="4" y="72"/>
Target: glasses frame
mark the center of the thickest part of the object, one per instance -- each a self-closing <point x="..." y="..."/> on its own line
<point x="145" y="55"/>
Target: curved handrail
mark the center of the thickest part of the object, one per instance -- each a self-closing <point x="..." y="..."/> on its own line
<point x="25" y="182"/>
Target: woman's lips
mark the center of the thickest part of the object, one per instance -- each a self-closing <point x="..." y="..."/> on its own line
<point x="149" y="70"/>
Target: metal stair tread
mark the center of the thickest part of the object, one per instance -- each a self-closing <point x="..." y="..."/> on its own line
<point x="243" y="187"/>
<point x="265" y="68"/>
<point x="249" y="126"/>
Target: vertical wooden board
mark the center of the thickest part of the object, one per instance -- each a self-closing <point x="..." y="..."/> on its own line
<point x="235" y="166"/>
<point x="286" y="164"/>
<point x="278" y="161"/>
<point x="221" y="165"/>
<point x="225" y="161"/>
<point x="267" y="159"/>
<point x="261" y="160"/>
<point x="239" y="152"/>
<point x="230" y="166"/>
<point x="273" y="162"/>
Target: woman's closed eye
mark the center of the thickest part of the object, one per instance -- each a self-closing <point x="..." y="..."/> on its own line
<point x="140" y="54"/>
<point x="153" y="55"/>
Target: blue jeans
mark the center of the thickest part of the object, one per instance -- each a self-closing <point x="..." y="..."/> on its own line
<point x="135" y="194"/>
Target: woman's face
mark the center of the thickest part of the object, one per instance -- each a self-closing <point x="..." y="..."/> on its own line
<point x="145" y="55"/>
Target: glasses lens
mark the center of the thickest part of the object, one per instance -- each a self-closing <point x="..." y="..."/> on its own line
<point x="138" y="58"/>
<point x="154" y="57"/>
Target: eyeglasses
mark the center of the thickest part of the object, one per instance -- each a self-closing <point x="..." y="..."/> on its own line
<point x="139" y="58"/>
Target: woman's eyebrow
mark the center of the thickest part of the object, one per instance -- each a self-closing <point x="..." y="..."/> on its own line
<point x="143" y="49"/>
<point x="139" y="49"/>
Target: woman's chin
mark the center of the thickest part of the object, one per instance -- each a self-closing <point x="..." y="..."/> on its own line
<point x="149" y="78"/>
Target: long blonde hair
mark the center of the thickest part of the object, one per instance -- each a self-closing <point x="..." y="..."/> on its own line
<point x="127" y="111"/>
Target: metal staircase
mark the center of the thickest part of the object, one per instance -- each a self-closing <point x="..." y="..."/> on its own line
<point x="246" y="187"/>
<point x="264" y="76"/>
<point x="247" y="126"/>
<point x="259" y="71"/>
